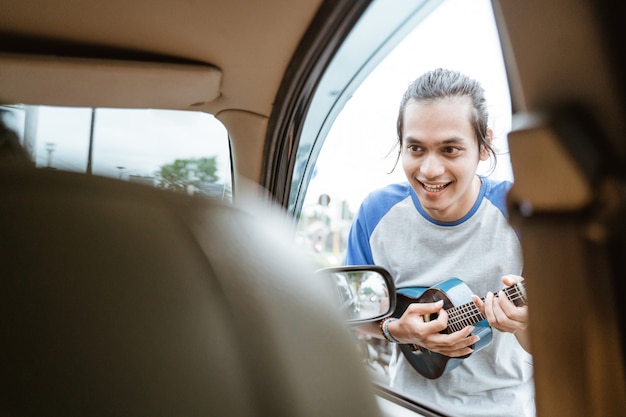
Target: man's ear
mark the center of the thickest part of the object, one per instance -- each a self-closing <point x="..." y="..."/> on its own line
<point x="484" y="152"/>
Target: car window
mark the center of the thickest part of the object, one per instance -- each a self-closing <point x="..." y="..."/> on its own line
<point x="177" y="150"/>
<point x="359" y="153"/>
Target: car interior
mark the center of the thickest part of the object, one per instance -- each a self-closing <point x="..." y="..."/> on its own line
<point x="123" y="299"/>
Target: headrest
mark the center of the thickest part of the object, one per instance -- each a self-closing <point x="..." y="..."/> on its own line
<point x="119" y="299"/>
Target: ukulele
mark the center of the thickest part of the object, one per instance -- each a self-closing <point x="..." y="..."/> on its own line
<point x="462" y="312"/>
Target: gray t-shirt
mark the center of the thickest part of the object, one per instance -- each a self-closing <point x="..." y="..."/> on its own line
<point x="392" y="230"/>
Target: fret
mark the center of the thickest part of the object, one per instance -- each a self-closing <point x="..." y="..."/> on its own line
<point x="468" y="314"/>
<point x="464" y="315"/>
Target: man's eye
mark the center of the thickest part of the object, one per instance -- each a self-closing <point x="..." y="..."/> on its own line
<point x="451" y="150"/>
<point x="413" y="148"/>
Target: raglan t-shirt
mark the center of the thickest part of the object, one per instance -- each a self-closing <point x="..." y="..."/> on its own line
<point x="392" y="230"/>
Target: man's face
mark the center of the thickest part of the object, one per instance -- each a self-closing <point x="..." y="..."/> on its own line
<point x="440" y="156"/>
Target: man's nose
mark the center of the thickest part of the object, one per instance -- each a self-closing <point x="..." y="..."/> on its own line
<point x="432" y="166"/>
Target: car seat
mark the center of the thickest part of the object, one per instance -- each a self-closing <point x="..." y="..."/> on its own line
<point x="124" y="300"/>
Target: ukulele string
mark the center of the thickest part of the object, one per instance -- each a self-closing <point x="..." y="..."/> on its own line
<point x="468" y="314"/>
<point x="463" y="316"/>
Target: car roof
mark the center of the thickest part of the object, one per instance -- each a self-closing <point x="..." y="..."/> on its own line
<point x="223" y="55"/>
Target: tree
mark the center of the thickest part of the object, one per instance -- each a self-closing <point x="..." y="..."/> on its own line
<point x="182" y="173"/>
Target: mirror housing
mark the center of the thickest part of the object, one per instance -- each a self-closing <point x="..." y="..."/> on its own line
<point x="365" y="293"/>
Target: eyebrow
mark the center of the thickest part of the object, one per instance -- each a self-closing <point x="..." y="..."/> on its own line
<point x="450" y="141"/>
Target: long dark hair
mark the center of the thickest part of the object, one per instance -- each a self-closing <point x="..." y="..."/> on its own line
<point x="443" y="83"/>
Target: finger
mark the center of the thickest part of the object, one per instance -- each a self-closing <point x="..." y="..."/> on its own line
<point x="456" y="339"/>
<point x="463" y="335"/>
<point x="455" y="353"/>
<point x="431" y="314"/>
<point x="517" y="316"/>
<point x="454" y="344"/>
<point x="442" y="317"/>
<point x="488" y="308"/>
<point x="509" y="280"/>
<point x="506" y="304"/>
<point x="421" y="321"/>
<point x="425" y="308"/>
<point x="479" y="303"/>
<point x="498" y="312"/>
<point x="437" y="325"/>
<point x="508" y="318"/>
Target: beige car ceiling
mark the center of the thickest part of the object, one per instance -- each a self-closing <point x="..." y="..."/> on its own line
<point x="227" y="58"/>
<point x="210" y="55"/>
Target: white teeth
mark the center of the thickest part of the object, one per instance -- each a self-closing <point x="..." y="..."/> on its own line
<point x="434" y="188"/>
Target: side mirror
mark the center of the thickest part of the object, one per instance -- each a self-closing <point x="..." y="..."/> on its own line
<point x="364" y="293"/>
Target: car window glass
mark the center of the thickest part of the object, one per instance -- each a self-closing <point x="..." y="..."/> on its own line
<point x="359" y="153"/>
<point x="177" y="150"/>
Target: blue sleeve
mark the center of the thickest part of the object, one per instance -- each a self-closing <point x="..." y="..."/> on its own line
<point x="375" y="206"/>
<point x="497" y="194"/>
<point x="359" y="251"/>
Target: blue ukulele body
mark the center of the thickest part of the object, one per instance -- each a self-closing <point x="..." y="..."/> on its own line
<point x="462" y="312"/>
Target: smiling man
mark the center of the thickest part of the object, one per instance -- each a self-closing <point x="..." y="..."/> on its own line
<point x="447" y="221"/>
<point x="440" y="155"/>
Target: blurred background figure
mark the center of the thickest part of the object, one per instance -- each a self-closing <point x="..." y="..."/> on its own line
<point x="11" y="151"/>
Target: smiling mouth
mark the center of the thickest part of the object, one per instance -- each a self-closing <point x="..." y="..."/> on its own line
<point x="434" y="188"/>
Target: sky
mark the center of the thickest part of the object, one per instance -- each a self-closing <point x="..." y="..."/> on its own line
<point x="460" y="35"/>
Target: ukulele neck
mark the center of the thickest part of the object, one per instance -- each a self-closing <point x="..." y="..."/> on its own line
<point x="468" y="314"/>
